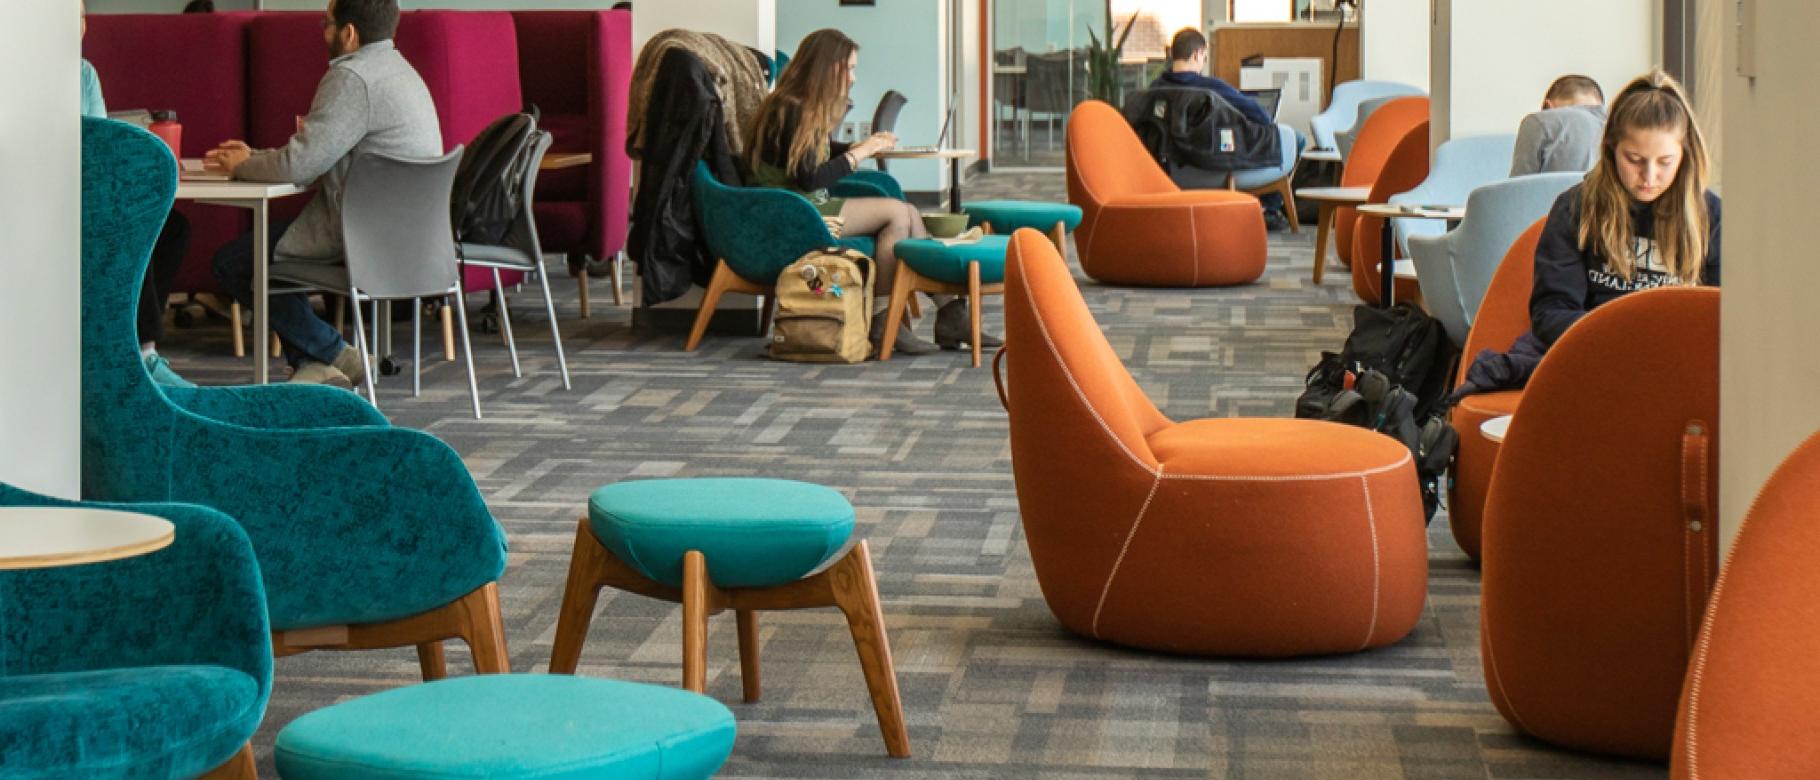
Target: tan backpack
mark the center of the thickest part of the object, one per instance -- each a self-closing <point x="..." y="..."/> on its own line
<point x="824" y="305"/>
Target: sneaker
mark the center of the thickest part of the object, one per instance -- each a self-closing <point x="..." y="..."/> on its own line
<point x="907" y="342"/>
<point x="314" y="373"/>
<point x="162" y="373"/>
<point x="1275" y="222"/>
<point x="349" y="365"/>
<point x="953" y="327"/>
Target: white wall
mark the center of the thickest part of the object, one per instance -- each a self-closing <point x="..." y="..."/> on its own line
<point x="1769" y="354"/>
<point x="40" y="220"/>
<point x="1499" y="58"/>
<point x="902" y="46"/>
<point x="1393" y="41"/>
<point x="751" y="22"/>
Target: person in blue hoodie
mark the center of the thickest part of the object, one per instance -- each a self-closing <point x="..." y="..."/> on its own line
<point x="1187" y="68"/>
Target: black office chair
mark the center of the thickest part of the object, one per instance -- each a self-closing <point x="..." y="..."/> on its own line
<point x="884" y="119"/>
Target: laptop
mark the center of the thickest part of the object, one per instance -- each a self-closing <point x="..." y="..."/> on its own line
<point x="939" y="139"/>
<point x="1271" y="100"/>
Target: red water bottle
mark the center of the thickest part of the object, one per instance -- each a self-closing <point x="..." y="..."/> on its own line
<point x="166" y="126"/>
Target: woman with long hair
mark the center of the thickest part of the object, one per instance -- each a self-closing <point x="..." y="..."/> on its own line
<point x="1643" y="217"/>
<point x="791" y="146"/>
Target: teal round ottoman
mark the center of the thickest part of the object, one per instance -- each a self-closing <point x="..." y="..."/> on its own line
<point x="1008" y="216"/>
<point x="972" y="269"/>
<point x="511" y="726"/>
<point x="738" y="544"/>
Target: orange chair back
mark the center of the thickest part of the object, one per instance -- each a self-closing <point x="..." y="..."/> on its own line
<point x="1079" y="425"/>
<point x="1599" y="538"/>
<point x="1105" y="162"/>
<point x="1751" y="703"/>
<point x="1377" y="139"/>
<point x="1504" y="313"/>
<point x="1403" y="171"/>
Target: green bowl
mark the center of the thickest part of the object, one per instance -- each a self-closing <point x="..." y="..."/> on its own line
<point x="944" y="225"/>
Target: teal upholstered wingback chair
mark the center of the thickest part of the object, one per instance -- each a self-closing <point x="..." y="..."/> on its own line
<point x="1460" y="166"/>
<point x="367" y="535"/>
<point x="754" y="233"/>
<point x="157" y="666"/>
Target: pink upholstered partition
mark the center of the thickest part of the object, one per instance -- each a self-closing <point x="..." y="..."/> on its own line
<point x="196" y="65"/>
<point x="286" y="59"/>
<point x="576" y="66"/>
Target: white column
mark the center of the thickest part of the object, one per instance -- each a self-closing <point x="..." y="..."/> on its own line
<point x="751" y="22"/>
<point x="1393" y="41"/>
<point x="1769" y="353"/>
<point x="40" y="217"/>
<point x="1492" y="62"/>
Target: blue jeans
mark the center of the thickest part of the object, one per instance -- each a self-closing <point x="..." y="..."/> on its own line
<point x="304" y="335"/>
<point x="1271" y="201"/>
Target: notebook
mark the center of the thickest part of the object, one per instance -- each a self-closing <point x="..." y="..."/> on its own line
<point x="195" y="170"/>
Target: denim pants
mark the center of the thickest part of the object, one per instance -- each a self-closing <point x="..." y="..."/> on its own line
<point x="1271" y="201"/>
<point x="304" y="335"/>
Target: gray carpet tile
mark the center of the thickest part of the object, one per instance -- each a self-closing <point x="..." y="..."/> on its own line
<point x="992" y="686"/>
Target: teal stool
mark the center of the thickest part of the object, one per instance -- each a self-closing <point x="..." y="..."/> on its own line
<point x="511" y="726"/>
<point x="926" y="265"/>
<point x="739" y="544"/>
<point x="1055" y="220"/>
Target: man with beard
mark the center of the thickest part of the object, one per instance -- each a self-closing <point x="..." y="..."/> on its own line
<point x="371" y="100"/>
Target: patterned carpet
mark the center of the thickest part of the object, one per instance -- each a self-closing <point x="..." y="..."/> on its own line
<point x="993" y="688"/>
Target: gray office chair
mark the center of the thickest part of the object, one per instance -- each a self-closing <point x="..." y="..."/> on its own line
<point x="520" y="252"/>
<point x="884" y="118"/>
<point x="400" y="246"/>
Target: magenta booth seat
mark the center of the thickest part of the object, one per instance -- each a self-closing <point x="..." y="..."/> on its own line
<point x="249" y="75"/>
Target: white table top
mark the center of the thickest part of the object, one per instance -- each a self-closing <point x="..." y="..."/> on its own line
<point x="234" y="190"/>
<point x="934" y="154"/>
<point x="1401" y="211"/>
<point x="46" y="537"/>
<point x="1322" y="155"/>
<point x="1334" y="194"/>
<point x="1495" y="428"/>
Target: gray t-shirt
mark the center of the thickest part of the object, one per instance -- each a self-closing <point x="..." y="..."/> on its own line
<point x="1559" y="140"/>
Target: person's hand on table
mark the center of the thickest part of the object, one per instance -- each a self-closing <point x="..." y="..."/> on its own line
<point x="228" y="156"/>
<point x="875" y="143"/>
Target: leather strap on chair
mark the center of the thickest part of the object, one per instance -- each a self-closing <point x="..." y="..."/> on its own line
<point x="998" y="380"/>
<point x="1698" y="523"/>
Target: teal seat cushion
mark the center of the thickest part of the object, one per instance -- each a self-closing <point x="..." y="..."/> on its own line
<point x="754" y="532"/>
<point x="549" y="727"/>
<point x="1007" y="216"/>
<point x="148" y="721"/>
<point x="945" y="263"/>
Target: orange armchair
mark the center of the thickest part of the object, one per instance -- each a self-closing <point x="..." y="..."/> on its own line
<point x="1599" y="532"/>
<point x="1406" y="167"/>
<point x="1503" y="316"/>
<point x="1229" y="537"/>
<point x="1751" y="704"/>
<point x="1377" y="139"/>
<point x="1139" y="228"/>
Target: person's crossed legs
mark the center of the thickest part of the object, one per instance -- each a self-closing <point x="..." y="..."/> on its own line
<point x="314" y="348"/>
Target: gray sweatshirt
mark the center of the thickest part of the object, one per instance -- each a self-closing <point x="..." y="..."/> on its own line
<point x="1559" y="140"/>
<point x="370" y="101"/>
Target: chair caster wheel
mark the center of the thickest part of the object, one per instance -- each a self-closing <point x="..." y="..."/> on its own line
<point x="389" y="367"/>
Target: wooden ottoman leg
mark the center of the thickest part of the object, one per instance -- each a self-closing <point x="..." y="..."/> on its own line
<point x="695" y="621"/>
<point x="239" y="329"/>
<point x="430" y="659"/>
<point x="1059" y="235"/>
<point x="579" y="596"/>
<point x="973" y="306"/>
<point x="856" y="593"/>
<point x="1321" y="230"/>
<point x="748" y="653"/>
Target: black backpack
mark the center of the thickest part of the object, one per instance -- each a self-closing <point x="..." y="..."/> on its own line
<point x="489" y="183"/>
<point x="1391" y="377"/>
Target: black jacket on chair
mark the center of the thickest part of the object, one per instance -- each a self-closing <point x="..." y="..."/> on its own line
<point x="683" y="126"/>
<point x="1184" y="127"/>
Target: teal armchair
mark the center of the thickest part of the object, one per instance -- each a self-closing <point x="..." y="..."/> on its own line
<point x="367" y="535"/>
<point x="754" y="233"/>
<point x="868" y="184"/>
<point x="157" y="666"/>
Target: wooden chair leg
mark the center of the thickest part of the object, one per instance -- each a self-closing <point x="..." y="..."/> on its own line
<point x="430" y="659"/>
<point x="973" y="308"/>
<point x="1295" y="220"/>
<point x="903" y="296"/>
<point x="1058" y="235"/>
<point x="277" y="347"/>
<point x="916" y="309"/>
<point x="582" y="279"/>
<point x="856" y="593"/>
<point x="619" y="295"/>
<point x="239" y="329"/>
<point x="448" y="333"/>
<point x="767" y="305"/>
<point x="578" y="600"/>
<point x="748" y="653"/>
<point x="695" y="621"/>
<point x="1321" y="232"/>
<point x="484" y="630"/>
<point x="717" y="286"/>
<point x="240" y="767"/>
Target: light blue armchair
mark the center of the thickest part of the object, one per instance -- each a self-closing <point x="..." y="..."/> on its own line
<point x="157" y="666"/>
<point x="367" y="535"/>
<point x="1456" y="268"/>
<point x="1460" y="166"/>
<point x="754" y="233"/>
<point x="1342" y="112"/>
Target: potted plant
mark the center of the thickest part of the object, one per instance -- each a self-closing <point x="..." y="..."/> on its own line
<point x="1103" y="60"/>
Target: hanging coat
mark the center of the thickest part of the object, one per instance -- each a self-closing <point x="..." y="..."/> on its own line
<point x="683" y="125"/>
